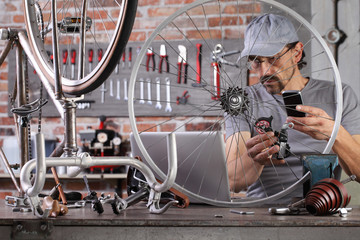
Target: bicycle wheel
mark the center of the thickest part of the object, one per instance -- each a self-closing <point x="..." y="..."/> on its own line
<point x="108" y="26"/>
<point x="218" y="94"/>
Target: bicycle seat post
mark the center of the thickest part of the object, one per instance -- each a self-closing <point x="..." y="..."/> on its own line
<point x="70" y="147"/>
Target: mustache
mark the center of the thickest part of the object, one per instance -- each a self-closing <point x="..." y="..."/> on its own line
<point x="266" y="78"/>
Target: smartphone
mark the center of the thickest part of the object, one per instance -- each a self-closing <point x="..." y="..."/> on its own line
<point x="292" y="98"/>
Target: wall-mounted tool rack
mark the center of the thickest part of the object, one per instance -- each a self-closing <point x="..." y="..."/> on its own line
<point x="110" y="98"/>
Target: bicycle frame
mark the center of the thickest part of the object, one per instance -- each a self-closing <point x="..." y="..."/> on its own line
<point x="67" y="110"/>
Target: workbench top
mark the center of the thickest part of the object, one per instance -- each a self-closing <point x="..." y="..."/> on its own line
<point x="192" y="220"/>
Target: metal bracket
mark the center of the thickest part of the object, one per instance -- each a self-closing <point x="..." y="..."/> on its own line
<point x="31" y="229"/>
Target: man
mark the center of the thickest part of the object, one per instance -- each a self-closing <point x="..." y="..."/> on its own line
<point x="275" y="54"/>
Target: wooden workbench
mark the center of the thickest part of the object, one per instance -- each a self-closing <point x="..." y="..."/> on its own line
<point x="195" y="222"/>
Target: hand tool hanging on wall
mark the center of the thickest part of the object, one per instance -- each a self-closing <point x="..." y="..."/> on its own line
<point x="215" y="95"/>
<point x="118" y="96"/>
<point x="118" y="88"/>
<point x="158" y="94"/>
<point x="64" y="58"/>
<point x="182" y="64"/>
<point x="150" y="57"/>
<point x="163" y="58"/>
<point x="123" y="59"/>
<point x="168" y="98"/>
<point x="73" y="61"/>
<point x="130" y="57"/>
<point x="148" y="81"/>
<point x="141" y="101"/>
<point x="198" y="67"/>
<point x="125" y="89"/>
<point x="218" y="60"/>
<point x="183" y="99"/>
<point x="111" y="88"/>
<point x="103" y="89"/>
<point x="216" y="81"/>
<point x="90" y="58"/>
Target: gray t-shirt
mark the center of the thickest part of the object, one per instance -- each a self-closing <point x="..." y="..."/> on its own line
<point x="263" y="105"/>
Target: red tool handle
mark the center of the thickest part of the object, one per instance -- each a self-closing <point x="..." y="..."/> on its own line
<point x="123" y="56"/>
<point x="185" y="72"/>
<point x="65" y="56"/>
<point x="160" y="64"/>
<point x="102" y="119"/>
<point x="100" y="53"/>
<point x="148" y="61"/>
<point x="216" y="83"/>
<point x="198" y="63"/>
<point x="179" y="72"/>
<point x="91" y="55"/>
<point x="130" y="54"/>
<point x="73" y="56"/>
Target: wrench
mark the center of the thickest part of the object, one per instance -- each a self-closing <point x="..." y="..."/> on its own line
<point x="103" y="90"/>
<point x="168" y="106"/>
<point x="111" y="88"/>
<point x="141" y="91"/>
<point x="125" y="89"/>
<point x="148" y="80"/>
<point x="118" y="90"/>
<point x="158" y="104"/>
<point x="78" y="204"/>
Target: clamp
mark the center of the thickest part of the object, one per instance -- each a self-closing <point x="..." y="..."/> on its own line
<point x="183" y="99"/>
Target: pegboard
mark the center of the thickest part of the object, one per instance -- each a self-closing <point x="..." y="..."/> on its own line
<point x="110" y="98"/>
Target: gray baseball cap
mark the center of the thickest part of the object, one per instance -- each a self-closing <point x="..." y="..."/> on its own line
<point x="267" y="35"/>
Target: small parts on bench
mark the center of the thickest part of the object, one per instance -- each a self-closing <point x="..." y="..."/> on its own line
<point x="327" y="197"/>
<point x="56" y="209"/>
<point x="96" y="205"/>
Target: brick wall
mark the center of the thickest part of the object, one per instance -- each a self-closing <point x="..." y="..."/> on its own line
<point x="149" y="15"/>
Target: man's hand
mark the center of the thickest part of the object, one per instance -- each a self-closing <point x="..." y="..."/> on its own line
<point x="261" y="148"/>
<point x="317" y="123"/>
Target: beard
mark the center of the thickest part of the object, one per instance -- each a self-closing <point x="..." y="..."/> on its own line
<point x="273" y="84"/>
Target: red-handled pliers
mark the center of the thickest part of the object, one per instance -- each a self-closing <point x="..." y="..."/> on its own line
<point x="163" y="57"/>
<point x="150" y="56"/>
<point x="182" y="63"/>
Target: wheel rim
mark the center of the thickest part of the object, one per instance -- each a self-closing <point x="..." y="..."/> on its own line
<point x="137" y="109"/>
<point x="107" y="27"/>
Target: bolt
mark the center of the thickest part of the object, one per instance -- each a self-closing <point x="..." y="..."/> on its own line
<point x="234" y="100"/>
<point x="43" y="227"/>
<point x="19" y="227"/>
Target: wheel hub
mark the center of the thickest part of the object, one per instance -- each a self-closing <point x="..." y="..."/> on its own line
<point x="234" y="101"/>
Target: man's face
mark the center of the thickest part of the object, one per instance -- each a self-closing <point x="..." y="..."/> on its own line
<point x="274" y="72"/>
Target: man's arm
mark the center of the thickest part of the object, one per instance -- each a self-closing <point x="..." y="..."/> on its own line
<point x="247" y="157"/>
<point x="319" y="125"/>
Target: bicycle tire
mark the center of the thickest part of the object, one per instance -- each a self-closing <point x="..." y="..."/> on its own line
<point x="178" y="120"/>
<point x="118" y="35"/>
